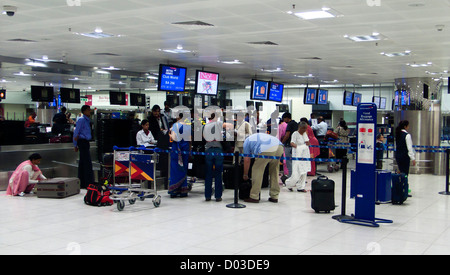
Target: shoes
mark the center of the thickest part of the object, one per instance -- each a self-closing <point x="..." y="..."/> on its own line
<point x="207" y="199"/>
<point x="273" y="200"/>
<point x="251" y="200"/>
<point x="301" y="190"/>
<point x="219" y="199"/>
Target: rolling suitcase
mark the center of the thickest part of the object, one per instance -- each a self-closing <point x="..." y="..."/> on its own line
<point x="322" y="195"/>
<point x="400" y="188"/>
<point x="58" y="188"/>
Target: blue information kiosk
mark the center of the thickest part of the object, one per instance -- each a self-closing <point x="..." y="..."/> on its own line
<point x="365" y="178"/>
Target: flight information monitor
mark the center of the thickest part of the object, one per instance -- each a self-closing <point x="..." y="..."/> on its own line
<point x="171" y="78"/>
<point x="310" y="96"/>
<point x="260" y="90"/>
<point x="276" y="92"/>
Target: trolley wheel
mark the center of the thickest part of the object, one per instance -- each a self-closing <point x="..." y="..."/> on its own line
<point x="120" y="205"/>
<point x="132" y="201"/>
<point x="142" y="198"/>
<point x="157" y="201"/>
<point x="330" y="169"/>
<point x="336" y="167"/>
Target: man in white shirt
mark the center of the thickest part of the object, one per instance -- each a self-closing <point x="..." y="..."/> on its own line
<point x="320" y="129"/>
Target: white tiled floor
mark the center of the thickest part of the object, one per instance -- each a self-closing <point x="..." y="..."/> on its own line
<point x="191" y="225"/>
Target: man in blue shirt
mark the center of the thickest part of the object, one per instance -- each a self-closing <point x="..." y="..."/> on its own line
<point x="266" y="145"/>
<point x="81" y="138"/>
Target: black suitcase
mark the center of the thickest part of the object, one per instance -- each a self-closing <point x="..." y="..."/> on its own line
<point x="322" y="195"/>
<point x="400" y="188"/>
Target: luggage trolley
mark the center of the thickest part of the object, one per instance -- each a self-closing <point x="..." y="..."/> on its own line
<point x="140" y="167"/>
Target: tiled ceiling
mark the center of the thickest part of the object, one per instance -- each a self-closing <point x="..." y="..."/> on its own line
<point x="258" y="33"/>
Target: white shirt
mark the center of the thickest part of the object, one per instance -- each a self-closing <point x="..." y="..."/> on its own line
<point x="145" y="140"/>
<point x="409" y="144"/>
<point x="321" y="128"/>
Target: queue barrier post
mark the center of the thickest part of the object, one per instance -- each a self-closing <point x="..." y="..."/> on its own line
<point x="447" y="173"/>
<point x="343" y="215"/>
<point x="237" y="179"/>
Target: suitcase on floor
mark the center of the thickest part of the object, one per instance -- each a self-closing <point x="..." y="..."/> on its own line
<point x="400" y="188"/>
<point x="58" y="188"/>
<point x="322" y="195"/>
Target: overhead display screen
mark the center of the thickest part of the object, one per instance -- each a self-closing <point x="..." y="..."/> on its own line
<point x="310" y="96"/>
<point x="322" y="97"/>
<point x="376" y="100"/>
<point x="348" y="98"/>
<point x="276" y="92"/>
<point x="171" y="78"/>
<point x="383" y="102"/>
<point x="42" y="93"/>
<point x="207" y="83"/>
<point x="357" y="99"/>
<point x="260" y="90"/>
<point x="70" y="95"/>
<point x="405" y="98"/>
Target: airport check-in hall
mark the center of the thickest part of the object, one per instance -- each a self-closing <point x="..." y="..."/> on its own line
<point x="224" y="128"/>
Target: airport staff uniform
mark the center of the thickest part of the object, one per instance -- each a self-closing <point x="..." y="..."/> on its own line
<point x="81" y="137"/>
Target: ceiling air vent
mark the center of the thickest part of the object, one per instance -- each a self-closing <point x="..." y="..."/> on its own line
<point x="106" y="54"/>
<point x="21" y="40"/>
<point x="263" y="43"/>
<point x="310" y="58"/>
<point x="193" y="25"/>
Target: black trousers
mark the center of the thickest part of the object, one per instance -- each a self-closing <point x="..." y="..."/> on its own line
<point x="403" y="165"/>
<point x="85" y="171"/>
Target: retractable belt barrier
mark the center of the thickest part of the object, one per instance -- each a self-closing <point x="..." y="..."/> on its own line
<point x="193" y="153"/>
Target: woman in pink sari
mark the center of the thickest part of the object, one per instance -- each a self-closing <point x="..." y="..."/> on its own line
<point x="281" y="133"/>
<point x="25" y="177"/>
<point x="315" y="151"/>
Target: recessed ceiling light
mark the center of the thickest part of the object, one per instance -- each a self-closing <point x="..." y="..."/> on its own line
<point x="21" y="73"/>
<point x="97" y="35"/>
<point x="102" y="72"/>
<point x="305" y="76"/>
<point x="277" y="70"/>
<point x="33" y="63"/>
<point x="111" y="68"/>
<point x="316" y="14"/>
<point x="416" y="65"/>
<point x="234" y="62"/>
<point x="405" y="53"/>
<point x="178" y="50"/>
<point x="365" y="38"/>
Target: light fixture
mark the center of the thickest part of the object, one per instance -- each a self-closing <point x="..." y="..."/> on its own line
<point x="21" y="73"/>
<point x="277" y="70"/>
<point x="418" y="65"/>
<point x="397" y="54"/>
<point x="178" y="50"/>
<point x="33" y="63"/>
<point x="98" y="30"/>
<point x="305" y="76"/>
<point x="234" y="62"/>
<point x="365" y="38"/>
<point x="316" y="14"/>
<point x="102" y="72"/>
<point x="111" y="68"/>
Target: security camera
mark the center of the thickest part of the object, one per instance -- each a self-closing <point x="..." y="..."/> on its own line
<point x="9" y="10"/>
<point x="440" y="28"/>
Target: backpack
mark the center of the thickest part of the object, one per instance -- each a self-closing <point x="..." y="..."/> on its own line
<point x="98" y="196"/>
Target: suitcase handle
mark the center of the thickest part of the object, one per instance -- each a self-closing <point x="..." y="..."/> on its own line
<point x="322" y="177"/>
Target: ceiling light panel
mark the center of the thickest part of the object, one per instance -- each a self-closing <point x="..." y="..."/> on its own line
<point x="316" y="14"/>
